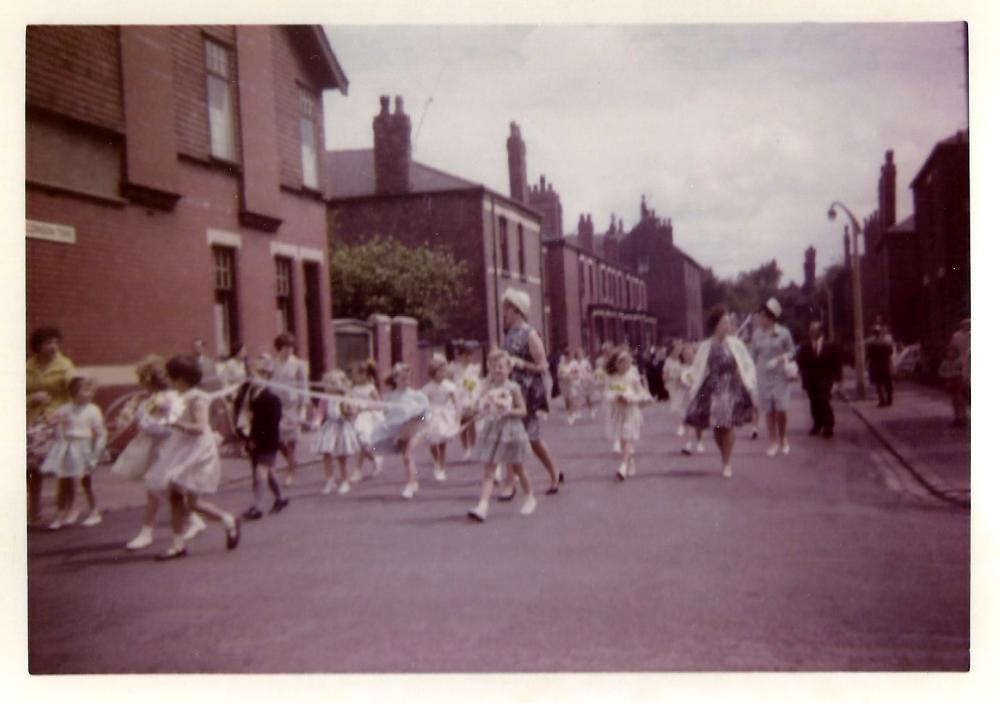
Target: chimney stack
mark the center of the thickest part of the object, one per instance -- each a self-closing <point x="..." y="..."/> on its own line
<point x="887" y="193"/>
<point x="517" y="165"/>
<point x="585" y="229"/>
<point x="392" y="149"/>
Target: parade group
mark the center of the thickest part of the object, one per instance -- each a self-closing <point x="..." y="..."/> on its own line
<point x="492" y="406"/>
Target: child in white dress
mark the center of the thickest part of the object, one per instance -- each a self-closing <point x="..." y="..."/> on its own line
<point x="625" y="397"/>
<point x="337" y="437"/>
<point x="442" y="417"/>
<point x="571" y="381"/>
<point x="673" y="368"/>
<point x="153" y="414"/>
<point x="503" y="439"/>
<point x="405" y="410"/>
<point x="80" y="438"/>
<point x="364" y="377"/>
<point x="465" y="374"/>
<point x="187" y="466"/>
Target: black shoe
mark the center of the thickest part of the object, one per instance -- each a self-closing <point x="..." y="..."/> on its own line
<point x="233" y="535"/>
<point x="562" y="477"/>
<point x="508" y="496"/>
<point x="814" y="431"/>
<point x="828" y="432"/>
<point x="171" y="554"/>
<point x="551" y="491"/>
<point x="686" y="451"/>
<point x="253" y="514"/>
<point x="279" y="505"/>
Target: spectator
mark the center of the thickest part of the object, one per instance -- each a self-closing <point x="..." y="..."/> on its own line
<point x="950" y="372"/>
<point x="820" y="367"/>
<point x="879" y="352"/>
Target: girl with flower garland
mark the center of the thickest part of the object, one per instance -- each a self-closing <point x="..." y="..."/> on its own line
<point x="405" y="409"/>
<point x="79" y="444"/>
<point x="442" y="418"/>
<point x="337" y="437"/>
<point x="364" y="377"/>
<point x="625" y="396"/>
<point x="503" y="439"/>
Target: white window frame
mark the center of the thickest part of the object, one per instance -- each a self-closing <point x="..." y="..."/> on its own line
<point x="218" y="83"/>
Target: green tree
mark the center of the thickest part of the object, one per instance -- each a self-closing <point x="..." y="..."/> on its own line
<point x="382" y="275"/>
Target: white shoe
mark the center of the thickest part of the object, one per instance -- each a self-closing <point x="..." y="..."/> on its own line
<point x="329" y="486"/>
<point x="195" y="527"/>
<point x="439" y="473"/>
<point x="772" y="450"/>
<point x="344" y="488"/>
<point x="700" y="448"/>
<point x="478" y="513"/>
<point x="93" y="519"/>
<point x="631" y="467"/>
<point x="622" y="471"/>
<point x="356" y="476"/>
<point x="571" y="420"/>
<point x="56" y="524"/>
<point x="378" y="465"/>
<point x="727" y="471"/>
<point x="72" y="517"/>
<point x="680" y="430"/>
<point x="785" y="449"/>
<point x="467" y="454"/>
<point x="409" y="491"/>
<point x="686" y="451"/>
<point x="289" y="480"/>
<point x="529" y="505"/>
<point x="140" y="541"/>
<point x="617" y="447"/>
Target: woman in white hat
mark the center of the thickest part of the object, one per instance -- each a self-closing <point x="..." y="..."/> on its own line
<point x="527" y="352"/>
<point x="772" y="348"/>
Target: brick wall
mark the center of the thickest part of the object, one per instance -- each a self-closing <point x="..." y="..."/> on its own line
<point x="191" y="87"/>
<point x="75" y="71"/>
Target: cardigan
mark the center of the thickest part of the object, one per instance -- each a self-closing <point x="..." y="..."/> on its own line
<point x="744" y="364"/>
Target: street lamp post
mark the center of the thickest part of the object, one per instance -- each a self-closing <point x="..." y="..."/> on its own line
<point x="859" y="345"/>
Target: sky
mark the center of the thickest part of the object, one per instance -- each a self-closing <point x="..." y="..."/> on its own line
<point x="741" y="134"/>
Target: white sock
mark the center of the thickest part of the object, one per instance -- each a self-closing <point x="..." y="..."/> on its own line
<point x="178" y="544"/>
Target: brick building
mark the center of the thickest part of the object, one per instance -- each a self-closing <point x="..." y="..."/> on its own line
<point x="592" y="299"/>
<point x="175" y="184"/>
<point x="673" y="279"/>
<point x="942" y="234"/>
<point x="383" y="191"/>
<point x="545" y="199"/>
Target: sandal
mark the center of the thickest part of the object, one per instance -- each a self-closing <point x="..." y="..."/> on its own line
<point x="233" y="535"/>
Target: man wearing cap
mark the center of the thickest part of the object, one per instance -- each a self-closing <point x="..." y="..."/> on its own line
<point x="772" y="348"/>
<point x="527" y="353"/>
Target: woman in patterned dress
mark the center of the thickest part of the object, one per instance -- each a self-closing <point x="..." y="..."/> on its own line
<point x="530" y="363"/>
<point x="724" y="385"/>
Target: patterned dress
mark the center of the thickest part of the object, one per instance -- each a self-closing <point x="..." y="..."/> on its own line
<point x="503" y="439"/>
<point x="532" y="384"/>
<point x="722" y="401"/>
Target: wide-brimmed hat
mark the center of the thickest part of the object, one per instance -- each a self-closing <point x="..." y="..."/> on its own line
<point x="520" y="300"/>
<point x="773" y="306"/>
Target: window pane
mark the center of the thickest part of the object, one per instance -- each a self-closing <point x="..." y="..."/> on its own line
<point x="310" y="167"/>
<point x="217" y="58"/>
<point x="220" y="118"/>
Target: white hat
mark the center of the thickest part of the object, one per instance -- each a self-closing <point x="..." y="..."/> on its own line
<point x="773" y="306"/>
<point x="520" y="300"/>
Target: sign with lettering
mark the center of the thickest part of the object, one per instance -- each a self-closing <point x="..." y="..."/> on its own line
<point x="63" y="234"/>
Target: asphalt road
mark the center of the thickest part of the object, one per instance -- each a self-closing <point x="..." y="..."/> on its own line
<point x="809" y="562"/>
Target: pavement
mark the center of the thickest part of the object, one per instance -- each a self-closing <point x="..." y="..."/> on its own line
<point x="917" y="430"/>
<point x="815" y="561"/>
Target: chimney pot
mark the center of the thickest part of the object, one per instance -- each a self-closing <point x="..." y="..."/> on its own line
<point x="399" y="105"/>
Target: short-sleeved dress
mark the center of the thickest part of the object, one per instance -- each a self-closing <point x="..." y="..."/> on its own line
<point x="442" y="416"/>
<point x="722" y="401"/>
<point x="772" y="384"/>
<point x="79" y="441"/>
<point x="532" y="384"/>
<point x="337" y="435"/>
<point x="153" y="415"/>
<point x="503" y="439"/>
<point x="404" y="416"/>
<point x="187" y="461"/>
<point x="366" y="419"/>
<point x="623" y="421"/>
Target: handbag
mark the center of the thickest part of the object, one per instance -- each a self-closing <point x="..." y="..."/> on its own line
<point x="791" y="369"/>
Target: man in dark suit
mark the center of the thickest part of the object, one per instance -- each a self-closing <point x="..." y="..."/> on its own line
<point x="820" y="367"/>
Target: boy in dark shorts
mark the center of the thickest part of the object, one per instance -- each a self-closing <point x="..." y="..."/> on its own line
<point x="259" y="429"/>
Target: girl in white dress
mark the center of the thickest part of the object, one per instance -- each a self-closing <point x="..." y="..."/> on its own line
<point x="404" y="417"/>
<point x="337" y="437"/>
<point x="442" y="417"/>
<point x="503" y="439"/>
<point x="153" y="415"/>
<point x="364" y="376"/>
<point x="187" y="465"/>
<point x="79" y="443"/>
<point x="571" y="379"/>
<point x="465" y="374"/>
<point x="290" y="372"/>
<point x="625" y="396"/>
<point x="673" y="367"/>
